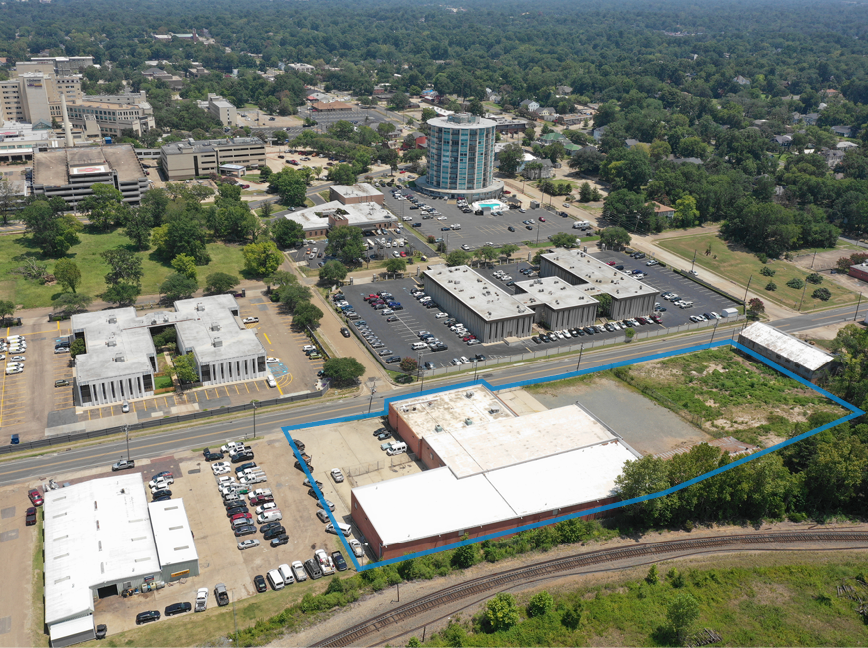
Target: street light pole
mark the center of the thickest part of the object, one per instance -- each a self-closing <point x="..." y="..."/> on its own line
<point x="371" y="403"/>
<point x="693" y="263"/>
<point x="716" y="321"/>
<point x="475" y="368"/>
<point x="746" y="289"/>
<point x="581" y="350"/>
<point x="127" y="432"/>
<point x="856" y="314"/>
<point x="254" y="418"/>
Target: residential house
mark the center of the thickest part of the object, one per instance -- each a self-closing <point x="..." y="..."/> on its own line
<point x="548" y="113"/>
<point x="572" y="120"/>
<point x="845" y="145"/>
<point x="599" y="132"/>
<point x="832" y="157"/>
<point x="809" y="119"/>
<point x="529" y="105"/>
<point x="843" y="131"/>
<point x="684" y="160"/>
<point x="783" y="140"/>
<point x="662" y="210"/>
<point x="564" y="90"/>
<point x="740" y="80"/>
<point x="551" y="138"/>
<point x="419" y="139"/>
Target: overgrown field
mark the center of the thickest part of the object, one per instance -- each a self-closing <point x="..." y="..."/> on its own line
<point x="789" y="605"/>
<point x="729" y="394"/>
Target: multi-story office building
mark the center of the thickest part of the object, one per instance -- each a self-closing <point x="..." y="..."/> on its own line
<point x="183" y="160"/>
<point x="57" y="65"/>
<point x="114" y="113"/>
<point x="34" y="97"/>
<point x="220" y="108"/>
<point x="461" y="158"/>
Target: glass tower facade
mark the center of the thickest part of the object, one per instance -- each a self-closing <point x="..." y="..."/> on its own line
<point x="460" y="152"/>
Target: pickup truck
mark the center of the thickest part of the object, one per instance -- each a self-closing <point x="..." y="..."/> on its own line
<point x="221" y="594"/>
<point x="259" y="478"/>
<point x="201" y="599"/>
<point x="123" y="464"/>
<point x="324" y="561"/>
<point x="232" y="447"/>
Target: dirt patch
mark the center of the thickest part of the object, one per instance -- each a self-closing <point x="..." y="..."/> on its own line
<point x="611" y="638"/>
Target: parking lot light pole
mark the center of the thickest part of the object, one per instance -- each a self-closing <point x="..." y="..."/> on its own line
<point x="475" y="368"/>
<point x="253" y="402"/>
<point x="371" y="403"/>
<point x="127" y="432"/>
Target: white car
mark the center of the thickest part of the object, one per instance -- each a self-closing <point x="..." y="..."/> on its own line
<point x="272" y="361"/>
<point x="248" y="544"/>
<point x="14" y="370"/>
<point x="465" y="247"/>
<point x="158" y="485"/>
<point x="265" y="507"/>
<point x="298" y="571"/>
<point x="270" y="380"/>
<point x="308" y="347"/>
<point x="250" y="320"/>
<point x="437" y="316"/>
<point x="337" y="475"/>
<point x="18" y="358"/>
<point x="259" y="492"/>
<point x="221" y="467"/>
<point x="356" y="546"/>
<point x="161" y="480"/>
<point x="226" y="480"/>
<point x="441" y="218"/>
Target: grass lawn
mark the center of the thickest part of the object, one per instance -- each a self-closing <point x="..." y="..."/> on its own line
<point x="29" y="294"/>
<point x="740" y="266"/>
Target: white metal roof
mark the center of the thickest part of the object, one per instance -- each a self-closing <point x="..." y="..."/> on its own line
<point x="442" y="503"/>
<point x="172" y="532"/>
<point x="786" y="346"/>
<point x="70" y="628"/>
<point x="96" y="532"/>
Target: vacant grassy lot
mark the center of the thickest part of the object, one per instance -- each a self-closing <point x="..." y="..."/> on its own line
<point x="728" y="394"/>
<point x="29" y="294"/>
<point x="778" y="605"/>
<point x="731" y="262"/>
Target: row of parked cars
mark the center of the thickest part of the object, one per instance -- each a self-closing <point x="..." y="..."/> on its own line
<point x="614" y="325"/>
<point x="221" y="595"/>
<point x="16" y="347"/>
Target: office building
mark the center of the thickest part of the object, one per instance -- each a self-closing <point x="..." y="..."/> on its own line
<point x="56" y="65"/>
<point x="191" y="159"/>
<point x="113" y="114"/>
<point x="120" y="359"/>
<point x="317" y="221"/>
<point x="362" y="192"/>
<point x="556" y="304"/>
<point x="220" y="108"/>
<point x="70" y="172"/>
<point x="34" y="97"/>
<point x="461" y="158"/>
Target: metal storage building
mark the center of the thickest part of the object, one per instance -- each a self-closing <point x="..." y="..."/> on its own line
<point x="791" y="353"/>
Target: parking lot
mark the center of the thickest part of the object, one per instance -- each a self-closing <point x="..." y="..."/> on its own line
<point x="477" y="231"/>
<point x="320" y="258"/>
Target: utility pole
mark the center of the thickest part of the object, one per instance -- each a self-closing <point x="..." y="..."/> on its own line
<point x="716" y="321"/>
<point x="693" y="263"/>
<point x="746" y="289"/>
<point x="127" y="432"/>
<point x="803" y="296"/>
<point x="581" y="350"/>
<point x="371" y="403"/>
<point x="254" y="417"/>
<point x="856" y="314"/>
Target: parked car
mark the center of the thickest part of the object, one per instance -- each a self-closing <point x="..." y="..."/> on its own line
<point x="339" y="561"/>
<point x="177" y="608"/>
<point x="123" y="464"/>
<point x="337" y="475"/>
<point x="30" y="516"/>
<point x="147" y="617"/>
<point x="212" y="455"/>
<point x="248" y="544"/>
<point x="259" y="583"/>
<point x="312" y="568"/>
<point x="35" y="497"/>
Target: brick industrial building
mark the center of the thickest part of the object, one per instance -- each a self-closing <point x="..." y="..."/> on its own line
<point x="488" y="471"/>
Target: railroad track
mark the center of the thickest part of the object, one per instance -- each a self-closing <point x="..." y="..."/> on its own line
<point x="355" y="635"/>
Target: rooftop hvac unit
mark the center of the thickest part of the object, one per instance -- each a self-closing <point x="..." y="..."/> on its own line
<point x="468" y="394"/>
<point x="119" y="357"/>
<point x="200" y="306"/>
<point x="468" y="421"/>
<point x="215" y="326"/>
<point x="438" y="428"/>
<point x="153" y="320"/>
<point x="218" y="342"/>
<point x="112" y="319"/>
<point x="111" y="342"/>
<point x="494" y="410"/>
<point x="165" y="318"/>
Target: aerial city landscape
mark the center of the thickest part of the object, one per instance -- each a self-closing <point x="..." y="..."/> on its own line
<point x="491" y="324"/>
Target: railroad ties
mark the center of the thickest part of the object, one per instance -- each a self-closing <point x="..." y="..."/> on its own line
<point x="354" y="636"/>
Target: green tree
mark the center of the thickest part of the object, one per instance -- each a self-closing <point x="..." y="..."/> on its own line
<point x="467" y="555"/>
<point x="69" y="303"/>
<point x="184" y="234"/>
<point x="400" y="101"/>
<point x="343" y="371"/>
<point x="184" y="368"/>
<point x="52" y="231"/>
<point x="218" y="283"/>
<point x="137" y="227"/>
<point x="509" y="249"/>
<point x="501" y="612"/>
<point x="408" y="365"/>
<point x="345" y="242"/>
<point x="342" y="174"/>
<point x="77" y="347"/>
<point x="686" y="213"/>
<point x="682" y="613"/>
<point x="332" y="272"/>
<point x="653" y="577"/>
<point x="261" y="259"/>
<point x="457" y="258"/>
<point x="67" y="274"/>
<point x="585" y="192"/>
<point x="292" y="295"/>
<point x="510" y="159"/>
<point x="124" y="267"/>
<point x="642" y="477"/>
<point x="186" y="265"/>
<point x="394" y="266"/>
<point x="614" y="237"/>
<point x="105" y="206"/>
<point x="7" y="308"/>
<point x="306" y="315"/>
<point x="540" y="604"/>
<point x="10" y="200"/>
<point x="386" y="128"/>
<point x="290" y="185"/>
<point x="564" y="240"/>
<point x="178" y="286"/>
<point x="287" y="233"/>
<point x="122" y="294"/>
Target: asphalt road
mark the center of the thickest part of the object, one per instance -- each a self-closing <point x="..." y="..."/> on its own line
<point x="156" y="445"/>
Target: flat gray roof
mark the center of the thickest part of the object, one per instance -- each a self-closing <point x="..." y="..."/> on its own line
<point x="356" y="214"/>
<point x="208" y="320"/>
<point x="597" y="276"/>
<point x="361" y="190"/>
<point x="52" y="168"/>
<point x="462" y="121"/>
<point x="476" y="292"/>
<point x="556" y="293"/>
<point x="206" y="146"/>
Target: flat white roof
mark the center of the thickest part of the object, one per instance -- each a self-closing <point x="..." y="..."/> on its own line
<point x="96" y="533"/>
<point x="449" y="409"/>
<point x="786" y="346"/>
<point x="442" y="503"/>
<point x="555" y="293"/>
<point x="361" y="190"/>
<point x="476" y="292"/>
<point x="358" y="214"/>
<point x="172" y="532"/>
<point x="491" y="445"/>
<point x="70" y="628"/>
<point x="597" y="277"/>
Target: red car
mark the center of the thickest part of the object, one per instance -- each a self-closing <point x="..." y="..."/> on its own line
<point x="238" y="516"/>
<point x="542" y="219"/>
<point x="467" y="338"/>
<point x="245" y="186"/>
<point x="611" y="263"/>
<point x="261" y="499"/>
<point x="403" y="254"/>
<point x="30" y="517"/>
<point x="35" y="497"/>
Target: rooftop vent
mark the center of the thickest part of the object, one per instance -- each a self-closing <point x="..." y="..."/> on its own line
<point x="112" y="319"/>
<point x="468" y="394"/>
<point x="218" y="342"/>
<point x="494" y="410"/>
<point x="468" y="421"/>
<point x="200" y="306"/>
<point x="438" y="428"/>
<point x="215" y="326"/>
<point x="111" y="342"/>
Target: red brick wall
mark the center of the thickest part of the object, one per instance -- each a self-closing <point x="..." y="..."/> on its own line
<point x="859" y="272"/>
<point x="399" y="425"/>
<point x="425" y="452"/>
<point x="398" y="550"/>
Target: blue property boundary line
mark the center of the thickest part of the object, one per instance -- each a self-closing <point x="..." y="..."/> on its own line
<point x="854" y="413"/>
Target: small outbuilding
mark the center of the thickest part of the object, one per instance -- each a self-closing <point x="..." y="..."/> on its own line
<point x="791" y="353"/>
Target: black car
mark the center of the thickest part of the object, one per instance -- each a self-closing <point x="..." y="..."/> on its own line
<point x="338" y="560"/>
<point x="243" y="467"/>
<point x="311" y="568"/>
<point x="247" y="529"/>
<point x="177" y="608"/>
<point x="242" y="456"/>
<point x="274" y="533"/>
<point x="212" y="456"/>
<point x="162" y="493"/>
<point x="162" y="498"/>
<point x="234" y="503"/>
<point x="345" y="332"/>
<point x="480" y="357"/>
<point x="379" y="431"/>
<point x="282" y="539"/>
<point x="393" y="360"/>
<point x="270" y="525"/>
<point x="511" y="228"/>
<point x="427" y="365"/>
<point x="259" y="583"/>
<point x="236" y="511"/>
<point x="147" y="617"/>
<point x="299" y="445"/>
<point x="445" y="229"/>
<point x="589" y="330"/>
<point x="30" y="516"/>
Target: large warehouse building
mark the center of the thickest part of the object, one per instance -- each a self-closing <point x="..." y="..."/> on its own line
<point x="630" y="297"/>
<point x="803" y="359"/>
<point x="70" y="172"/>
<point x="489" y="471"/>
<point x="100" y="539"/>
<point x="461" y="158"/>
<point x="120" y="358"/>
